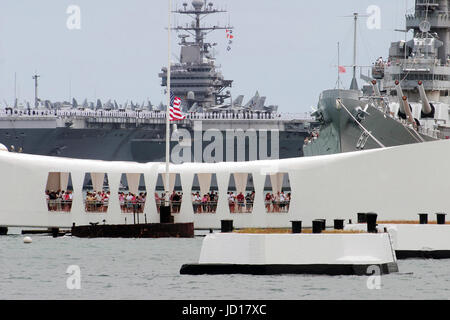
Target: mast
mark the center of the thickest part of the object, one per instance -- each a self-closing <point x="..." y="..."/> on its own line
<point x="339" y="63"/>
<point x="199" y="11"/>
<point x="36" y="99"/>
<point x="168" y="108"/>
<point x="354" y="84"/>
<point x="15" y="88"/>
<point x="197" y="59"/>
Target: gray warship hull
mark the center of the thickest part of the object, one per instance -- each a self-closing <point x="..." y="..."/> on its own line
<point x="146" y="142"/>
<point x="341" y="133"/>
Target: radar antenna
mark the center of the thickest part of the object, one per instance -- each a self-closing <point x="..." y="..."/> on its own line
<point x="198" y="12"/>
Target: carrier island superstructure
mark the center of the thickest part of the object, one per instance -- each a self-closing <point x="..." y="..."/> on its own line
<point x="406" y="99"/>
<point x="218" y="127"/>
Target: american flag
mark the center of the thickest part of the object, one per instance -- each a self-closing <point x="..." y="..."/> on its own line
<point x="175" y="111"/>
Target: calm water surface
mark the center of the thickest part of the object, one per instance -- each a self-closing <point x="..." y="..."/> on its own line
<point x="149" y="269"/>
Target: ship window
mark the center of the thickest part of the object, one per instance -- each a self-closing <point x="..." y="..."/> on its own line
<point x="441" y="77"/>
<point x="175" y="191"/>
<point x="96" y="192"/>
<point x="241" y="193"/>
<point x="132" y="193"/>
<point x="277" y="193"/>
<point x="59" y="192"/>
<point x="205" y="193"/>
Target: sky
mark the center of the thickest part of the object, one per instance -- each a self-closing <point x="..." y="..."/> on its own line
<point x="284" y="49"/>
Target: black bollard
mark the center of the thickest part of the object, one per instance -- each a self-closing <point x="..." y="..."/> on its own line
<point x="362" y="217"/>
<point x="3" y="231"/>
<point x="165" y="214"/>
<point x="339" y="224"/>
<point x="145" y="217"/>
<point x="55" y="232"/>
<point x="349" y="221"/>
<point x="226" y="225"/>
<point x="371" y="222"/>
<point x="324" y="223"/>
<point x="296" y="226"/>
<point x="317" y="226"/>
<point x="423" y="218"/>
<point x="440" y="218"/>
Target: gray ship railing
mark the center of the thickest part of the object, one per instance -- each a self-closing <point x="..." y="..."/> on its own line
<point x="204" y="207"/>
<point x="132" y="207"/>
<point x="430" y="132"/>
<point x="59" y="205"/>
<point x="96" y="206"/>
<point x="28" y="114"/>
<point x="241" y="207"/>
<point x="104" y="116"/>
<point x="174" y="205"/>
<point x="277" y="206"/>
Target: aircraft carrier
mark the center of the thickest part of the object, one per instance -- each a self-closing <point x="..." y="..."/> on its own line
<point x="406" y="98"/>
<point x="218" y="127"/>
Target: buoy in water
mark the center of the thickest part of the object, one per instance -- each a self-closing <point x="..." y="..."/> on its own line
<point x="27" y="240"/>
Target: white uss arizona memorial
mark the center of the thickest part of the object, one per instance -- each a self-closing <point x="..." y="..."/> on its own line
<point x="397" y="183"/>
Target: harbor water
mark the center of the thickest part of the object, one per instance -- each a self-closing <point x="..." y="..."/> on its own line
<point x="149" y="269"/>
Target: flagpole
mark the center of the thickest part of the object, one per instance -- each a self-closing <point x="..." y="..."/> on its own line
<point x="339" y="63"/>
<point x="167" y="110"/>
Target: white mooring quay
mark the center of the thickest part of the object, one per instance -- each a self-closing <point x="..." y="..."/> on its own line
<point x="414" y="240"/>
<point x="397" y="183"/>
<point x="331" y="254"/>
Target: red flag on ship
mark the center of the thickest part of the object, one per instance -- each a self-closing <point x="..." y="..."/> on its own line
<point x="342" y="69"/>
<point x="230" y="38"/>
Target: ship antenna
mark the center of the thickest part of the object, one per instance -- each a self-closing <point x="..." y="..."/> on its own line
<point x="354" y="85"/>
<point x="405" y="31"/>
<point x="70" y="91"/>
<point x="36" y="99"/>
<point x="15" y="87"/>
<point x="166" y="187"/>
